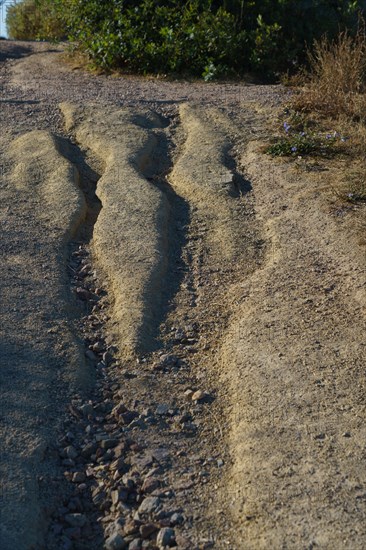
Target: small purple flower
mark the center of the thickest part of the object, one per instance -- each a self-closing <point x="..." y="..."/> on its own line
<point x="329" y="136"/>
<point x="286" y="127"/>
<point x="294" y="149"/>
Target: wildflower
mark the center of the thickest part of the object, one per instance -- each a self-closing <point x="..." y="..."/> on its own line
<point x="294" y="149"/>
<point x="329" y="136"/>
<point x="286" y="127"/>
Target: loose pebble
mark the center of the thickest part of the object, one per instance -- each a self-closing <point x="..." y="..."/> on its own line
<point x="150" y="484"/>
<point x="165" y="537"/>
<point x="198" y="395"/>
<point x="149" y="505"/>
<point x="136" y="544"/>
<point x="115" y="542"/>
<point x="147" y="529"/>
<point x="71" y="452"/>
<point x="188" y="394"/>
<point x="121" y="481"/>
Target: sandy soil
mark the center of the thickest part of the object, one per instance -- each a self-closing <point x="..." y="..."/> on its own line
<point x="182" y="320"/>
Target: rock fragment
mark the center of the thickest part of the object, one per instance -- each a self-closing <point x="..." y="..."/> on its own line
<point x="147" y="529"/>
<point x="165" y="537"/>
<point x="115" y="542"/>
<point x="149" y="505"/>
<point x="71" y="452"/>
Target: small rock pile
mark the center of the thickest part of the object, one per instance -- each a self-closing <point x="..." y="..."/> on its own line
<point x="121" y="495"/>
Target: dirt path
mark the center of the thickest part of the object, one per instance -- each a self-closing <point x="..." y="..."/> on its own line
<point x="182" y="338"/>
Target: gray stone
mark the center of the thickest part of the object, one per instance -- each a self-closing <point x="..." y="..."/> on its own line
<point x="180" y="335"/>
<point x="188" y="394"/>
<point x="150" y="484"/>
<point x="128" y="416"/>
<point x="83" y="294"/>
<point x="160" y="454"/>
<point x="73" y="533"/>
<point x="166" y="537"/>
<point x="71" y="452"/>
<point x="119" y="495"/>
<point x="68" y="462"/>
<point x="118" y="464"/>
<point x="98" y="346"/>
<point x="168" y="360"/>
<point x="88" y="450"/>
<point x="176" y="519"/>
<point x="147" y="529"/>
<point x="142" y="462"/>
<point x="135" y="544"/>
<point x="198" y="395"/>
<point x="115" y="542"/>
<point x="78" y="477"/>
<point x="149" y="505"/>
<point x="161" y="410"/>
<point x="107" y="358"/>
<point x="138" y="423"/>
<point x="87" y="409"/>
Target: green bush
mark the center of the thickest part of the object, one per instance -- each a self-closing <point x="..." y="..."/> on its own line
<point x="157" y="37"/>
<point x="208" y="38"/>
<point x="34" y="20"/>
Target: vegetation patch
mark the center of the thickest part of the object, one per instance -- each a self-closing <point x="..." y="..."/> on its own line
<point x="298" y="139"/>
<point x="34" y="20"/>
<point x="327" y="114"/>
<point x="204" y="38"/>
<point x="353" y="187"/>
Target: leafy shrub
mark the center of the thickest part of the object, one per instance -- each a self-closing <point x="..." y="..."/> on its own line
<point x="278" y="33"/>
<point x="152" y="36"/>
<point x="34" y="20"/>
<point x="208" y="38"/>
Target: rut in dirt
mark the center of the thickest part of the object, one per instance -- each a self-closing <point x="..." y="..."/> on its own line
<point x="87" y="178"/>
<point x="134" y="434"/>
<point x="155" y="169"/>
<point x="81" y="497"/>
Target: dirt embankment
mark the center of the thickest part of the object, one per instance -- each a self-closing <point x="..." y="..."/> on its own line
<point x="196" y="308"/>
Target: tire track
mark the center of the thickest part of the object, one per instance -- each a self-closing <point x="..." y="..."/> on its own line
<point x="131" y="234"/>
<point x="41" y="208"/>
<point x="151" y="256"/>
<point x="185" y="305"/>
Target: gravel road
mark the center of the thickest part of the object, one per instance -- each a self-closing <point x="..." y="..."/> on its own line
<point x="182" y="336"/>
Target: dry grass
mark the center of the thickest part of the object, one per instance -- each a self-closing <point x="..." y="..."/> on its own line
<point x="337" y="79"/>
<point x="333" y="94"/>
